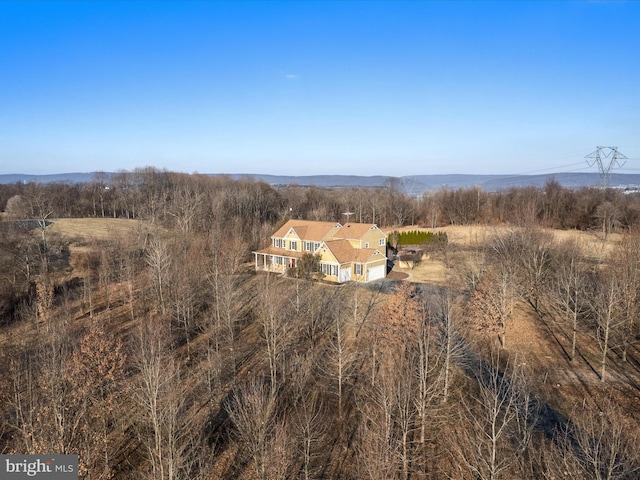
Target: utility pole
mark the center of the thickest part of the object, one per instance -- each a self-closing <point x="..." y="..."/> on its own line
<point x="603" y="155"/>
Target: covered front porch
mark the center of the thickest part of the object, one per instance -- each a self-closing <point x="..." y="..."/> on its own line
<point x="270" y="262"/>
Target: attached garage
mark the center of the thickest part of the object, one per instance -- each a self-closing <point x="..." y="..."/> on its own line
<point x="345" y="274"/>
<point x="375" y="273"/>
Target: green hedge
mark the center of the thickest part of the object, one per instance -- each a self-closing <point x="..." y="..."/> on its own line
<point x="417" y="237"/>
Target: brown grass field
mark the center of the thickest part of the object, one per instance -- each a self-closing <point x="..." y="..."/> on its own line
<point x="463" y="237"/>
<point x="86" y="229"/>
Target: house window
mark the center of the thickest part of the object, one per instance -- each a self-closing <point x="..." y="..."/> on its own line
<point x="381" y="242"/>
<point x="366" y="245"/>
<point x="334" y="270"/>
<point x="293" y="245"/>
<point x="316" y="246"/>
<point x="358" y="268"/>
<point x="325" y="268"/>
<point x="308" y="246"/>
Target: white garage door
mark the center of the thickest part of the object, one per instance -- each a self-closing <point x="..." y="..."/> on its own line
<point x="375" y="273"/>
<point x="345" y="274"/>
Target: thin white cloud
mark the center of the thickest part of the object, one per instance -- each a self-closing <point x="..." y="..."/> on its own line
<point x="291" y="76"/>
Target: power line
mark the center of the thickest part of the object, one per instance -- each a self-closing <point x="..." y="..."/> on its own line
<point x="601" y="156"/>
<point x="548" y="169"/>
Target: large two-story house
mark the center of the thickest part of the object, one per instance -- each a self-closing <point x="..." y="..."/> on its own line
<point x="350" y="252"/>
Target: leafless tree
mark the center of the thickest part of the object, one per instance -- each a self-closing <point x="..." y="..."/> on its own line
<point x="274" y="331"/>
<point x="343" y="357"/>
<point x="599" y="444"/>
<point x="253" y="413"/>
<point x="53" y="420"/>
<point x="533" y="248"/>
<point x="492" y="303"/>
<point x="607" y="304"/>
<point x="499" y="419"/>
<point x="158" y="258"/>
<point x="377" y="446"/>
<point x="96" y="375"/>
<point x="570" y="288"/>
<point x="624" y="261"/>
<point x="309" y="420"/>
<point x="445" y="310"/>
<point x="608" y="216"/>
<point x="223" y="275"/>
<point x="160" y="397"/>
<point x="185" y="203"/>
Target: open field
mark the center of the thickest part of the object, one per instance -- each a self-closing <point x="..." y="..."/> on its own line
<point x="85" y="229"/>
<point x="464" y="237"/>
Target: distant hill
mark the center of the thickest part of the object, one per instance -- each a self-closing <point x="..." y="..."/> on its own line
<point x="54" y="178"/>
<point x="411" y="184"/>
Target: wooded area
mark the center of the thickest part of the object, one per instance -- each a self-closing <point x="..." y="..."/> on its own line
<point x="151" y="348"/>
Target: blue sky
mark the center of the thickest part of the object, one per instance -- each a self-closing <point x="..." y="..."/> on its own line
<point x="301" y="88"/>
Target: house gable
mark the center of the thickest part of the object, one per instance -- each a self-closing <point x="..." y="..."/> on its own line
<point x="362" y="235"/>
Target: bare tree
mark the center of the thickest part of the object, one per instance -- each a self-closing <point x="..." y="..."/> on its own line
<point x="492" y="303"/>
<point x="223" y="275"/>
<point x="608" y="216"/>
<point x="534" y="261"/>
<point x="570" y="288"/>
<point x="599" y="444"/>
<point x="499" y="419"/>
<point x="625" y="264"/>
<point x="342" y="357"/>
<point x="158" y="393"/>
<point x="159" y="259"/>
<point x="273" y="318"/>
<point x="253" y="414"/>
<point x="377" y="446"/>
<point x="444" y="312"/>
<point x="96" y="375"/>
<point x="308" y="417"/>
<point x="186" y="200"/>
<point x="607" y="308"/>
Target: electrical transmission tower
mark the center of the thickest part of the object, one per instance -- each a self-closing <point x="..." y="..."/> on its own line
<point x="603" y="155"/>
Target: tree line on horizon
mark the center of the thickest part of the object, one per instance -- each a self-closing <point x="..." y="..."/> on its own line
<point x="183" y="197"/>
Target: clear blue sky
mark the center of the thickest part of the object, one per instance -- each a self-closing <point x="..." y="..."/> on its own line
<point x="300" y="88"/>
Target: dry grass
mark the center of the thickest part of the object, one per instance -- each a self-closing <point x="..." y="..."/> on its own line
<point x="472" y="235"/>
<point x="87" y="229"/>
<point x="463" y="237"/>
<point x="428" y="271"/>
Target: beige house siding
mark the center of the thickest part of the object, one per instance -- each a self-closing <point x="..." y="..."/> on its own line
<point x="376" y="239"/>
